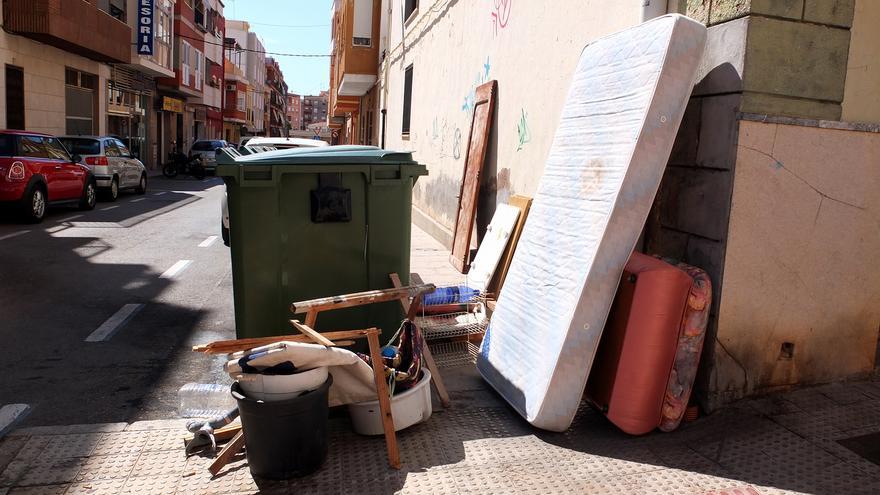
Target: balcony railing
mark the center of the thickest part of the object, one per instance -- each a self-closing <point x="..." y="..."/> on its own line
<point x="75" y="26"/>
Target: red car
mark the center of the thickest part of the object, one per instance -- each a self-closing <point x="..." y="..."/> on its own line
<point x="36" y="171"/>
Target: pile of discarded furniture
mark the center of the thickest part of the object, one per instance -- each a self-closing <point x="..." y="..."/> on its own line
<point x="624" y="328"/>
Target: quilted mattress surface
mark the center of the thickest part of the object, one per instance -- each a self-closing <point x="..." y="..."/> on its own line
<point x="619" y="120"/>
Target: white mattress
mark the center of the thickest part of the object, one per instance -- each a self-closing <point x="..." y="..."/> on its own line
<point x="620" y="118"/>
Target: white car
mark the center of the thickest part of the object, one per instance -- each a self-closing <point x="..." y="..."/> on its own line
<point x="206" y="149"/>
<point x="282" y="143"/>
<point x="111" y="163"/>
<point x="274" y="142"/>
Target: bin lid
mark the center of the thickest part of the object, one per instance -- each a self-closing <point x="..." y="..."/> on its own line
<point x="338" y="155"/>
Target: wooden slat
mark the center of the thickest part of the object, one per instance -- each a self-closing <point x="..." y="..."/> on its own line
<point x="358" y="299"/>
<point x="220" y="434"/>
<point x="478" y="141"/>
<point x="311" y="318"/>
<point x="233" y="447"/>
<point x="384" y="401"/>
<point x="235" y="345"/>
<point x="412" y="309"/>
<point x="317" y="337"/>
<point x="524" y="204"/>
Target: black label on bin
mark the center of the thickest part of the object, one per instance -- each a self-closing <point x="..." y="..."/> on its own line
<point x="331" y="204"/>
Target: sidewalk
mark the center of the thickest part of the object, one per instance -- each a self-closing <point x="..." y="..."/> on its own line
<point x="786" y="443"/>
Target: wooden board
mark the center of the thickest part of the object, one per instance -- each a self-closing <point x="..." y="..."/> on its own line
<point x="478" y="142"/>
<point x="492" y="248"/>
<point x="523" y="203"/>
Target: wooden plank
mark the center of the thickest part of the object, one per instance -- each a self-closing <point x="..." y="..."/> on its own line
<point x="412" y="309"/>
<point x="235" y="345"/>
<point x="478" y="142"/>
<point x="311" y="318"/>
<point x="384" y="400"/>
<point x="524" y="204"/>
<point x="233" y="447"/>
<point x="317" y="337"/>
<point x="220" y="434"/>
<point x="358" y="299"/>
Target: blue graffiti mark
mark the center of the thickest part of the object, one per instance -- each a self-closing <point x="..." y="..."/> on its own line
<point x="486" y="66"/>
<point x="481" y="77"/>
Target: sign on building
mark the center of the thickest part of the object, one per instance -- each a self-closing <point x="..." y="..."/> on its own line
<point x="145" y="27"/>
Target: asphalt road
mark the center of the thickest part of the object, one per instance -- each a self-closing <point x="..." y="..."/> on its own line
<point x="93" y="325"/>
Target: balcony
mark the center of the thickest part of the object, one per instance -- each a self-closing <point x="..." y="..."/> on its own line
<point x="75" y="26"/>
<point x="354" y="61"/>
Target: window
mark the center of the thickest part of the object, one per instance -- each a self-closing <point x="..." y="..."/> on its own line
<point x="82" y="146"/>
<point x="409" y="6"/>
<point x="199" y="60"/>
<point x="32" y="147"/>
<point x="55" y="150"/>
<point x="7" y="145"/>
<point x="79" y="102"/>
<point x="407" y="98"/>
<point x="123" y="150"/>
<point x="184" y="62"/>
<point x="240" y="104"/>
<point x="162" y="39"/>
<point x="362" y="33"/>
<point x="110" y="148"/>
<point x="14" y="97"/>
<point x="200" y="13"/>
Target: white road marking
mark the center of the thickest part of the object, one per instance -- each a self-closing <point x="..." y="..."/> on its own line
<point x="11" y="414"/>
<point x="109" y="208"/>
<point x="74" y="217"/>
<point x="159" y="193"/>
<point x="136" y="200"/>
<point x="14" y="234"/>
<point x="114" y="323"/>
<point x="57" y="228"/>
<point x="176" y="269"/>
<point x="207" y="242"/>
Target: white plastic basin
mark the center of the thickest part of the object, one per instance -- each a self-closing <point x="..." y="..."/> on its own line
<point x="281" y="387"/>
<point x="407" y="408"/>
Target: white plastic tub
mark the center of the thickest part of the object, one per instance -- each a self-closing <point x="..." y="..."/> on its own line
<point x="270" y="388"/>
<point x="408" y="408"/>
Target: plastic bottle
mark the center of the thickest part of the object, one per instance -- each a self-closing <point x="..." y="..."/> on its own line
<point x="450" y="295"/>
<point x="204" y="400"/>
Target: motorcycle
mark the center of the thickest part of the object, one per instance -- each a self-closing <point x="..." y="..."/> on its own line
<point x="183" y="164"/>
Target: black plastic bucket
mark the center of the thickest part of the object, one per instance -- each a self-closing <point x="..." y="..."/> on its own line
<point x="288" y="438"/>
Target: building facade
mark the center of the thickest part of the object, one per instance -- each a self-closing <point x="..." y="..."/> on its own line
<point x="235" y="92"/>
<point x="55" y="79"/>
<point x="294" y="112"/>
<point x="353" y="70"/>
<point x="769" y="186"/>
<point x="211" y="105"/>
<point x="314" y="109"/>
<point x="184" y="118"/>
<point x="276" y="101"/>
<point x="253" y="64"/>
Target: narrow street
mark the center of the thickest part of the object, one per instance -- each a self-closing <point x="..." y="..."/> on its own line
<point x="100" y="307"/>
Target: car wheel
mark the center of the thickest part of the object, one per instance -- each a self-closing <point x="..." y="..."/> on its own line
<point x="224" y="233"/>
<point x="169" y="170"/>
<point x="35" y="204"/>
<point x="142" y="185"/>
<point x="89" y="196"/>
<point x="112" y="194"/>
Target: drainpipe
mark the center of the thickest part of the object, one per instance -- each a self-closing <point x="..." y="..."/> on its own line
<point x="651" y="9"/>
<point x="386" y="63"/>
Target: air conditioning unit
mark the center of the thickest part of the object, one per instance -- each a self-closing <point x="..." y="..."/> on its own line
<point x="230" y="87"/>
<point x="357" y="41"/>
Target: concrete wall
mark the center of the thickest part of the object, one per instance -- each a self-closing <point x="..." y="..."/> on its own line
<point x="801" y="259"/>
<point x="44" y="82"/>
<point x="861" y="98"/>
<point x="531" y="48"/>
<point x="794" y="61"/>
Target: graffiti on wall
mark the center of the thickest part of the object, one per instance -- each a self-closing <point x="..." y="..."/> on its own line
<point x="456" y="144"/>
<point x="522" y="130"/>
<point x="500" y="14"/>
<point x="482" y="76"/>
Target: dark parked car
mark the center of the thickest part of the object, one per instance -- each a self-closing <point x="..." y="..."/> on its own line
<point x="36" y="170"/>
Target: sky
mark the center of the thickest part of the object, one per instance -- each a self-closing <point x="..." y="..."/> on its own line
<point x="291" y="26"/>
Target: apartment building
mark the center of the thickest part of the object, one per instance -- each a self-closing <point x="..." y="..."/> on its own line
<point x="314" y="109"/>
<point x="253" y="56"/>
<point x="214" y="27"/>
<point x="235" y="92"/>
<point x="294" y="112"/>
<point x="276" y="108"/>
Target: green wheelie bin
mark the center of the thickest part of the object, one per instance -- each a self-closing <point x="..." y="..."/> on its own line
<point x="317" y="222"/>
